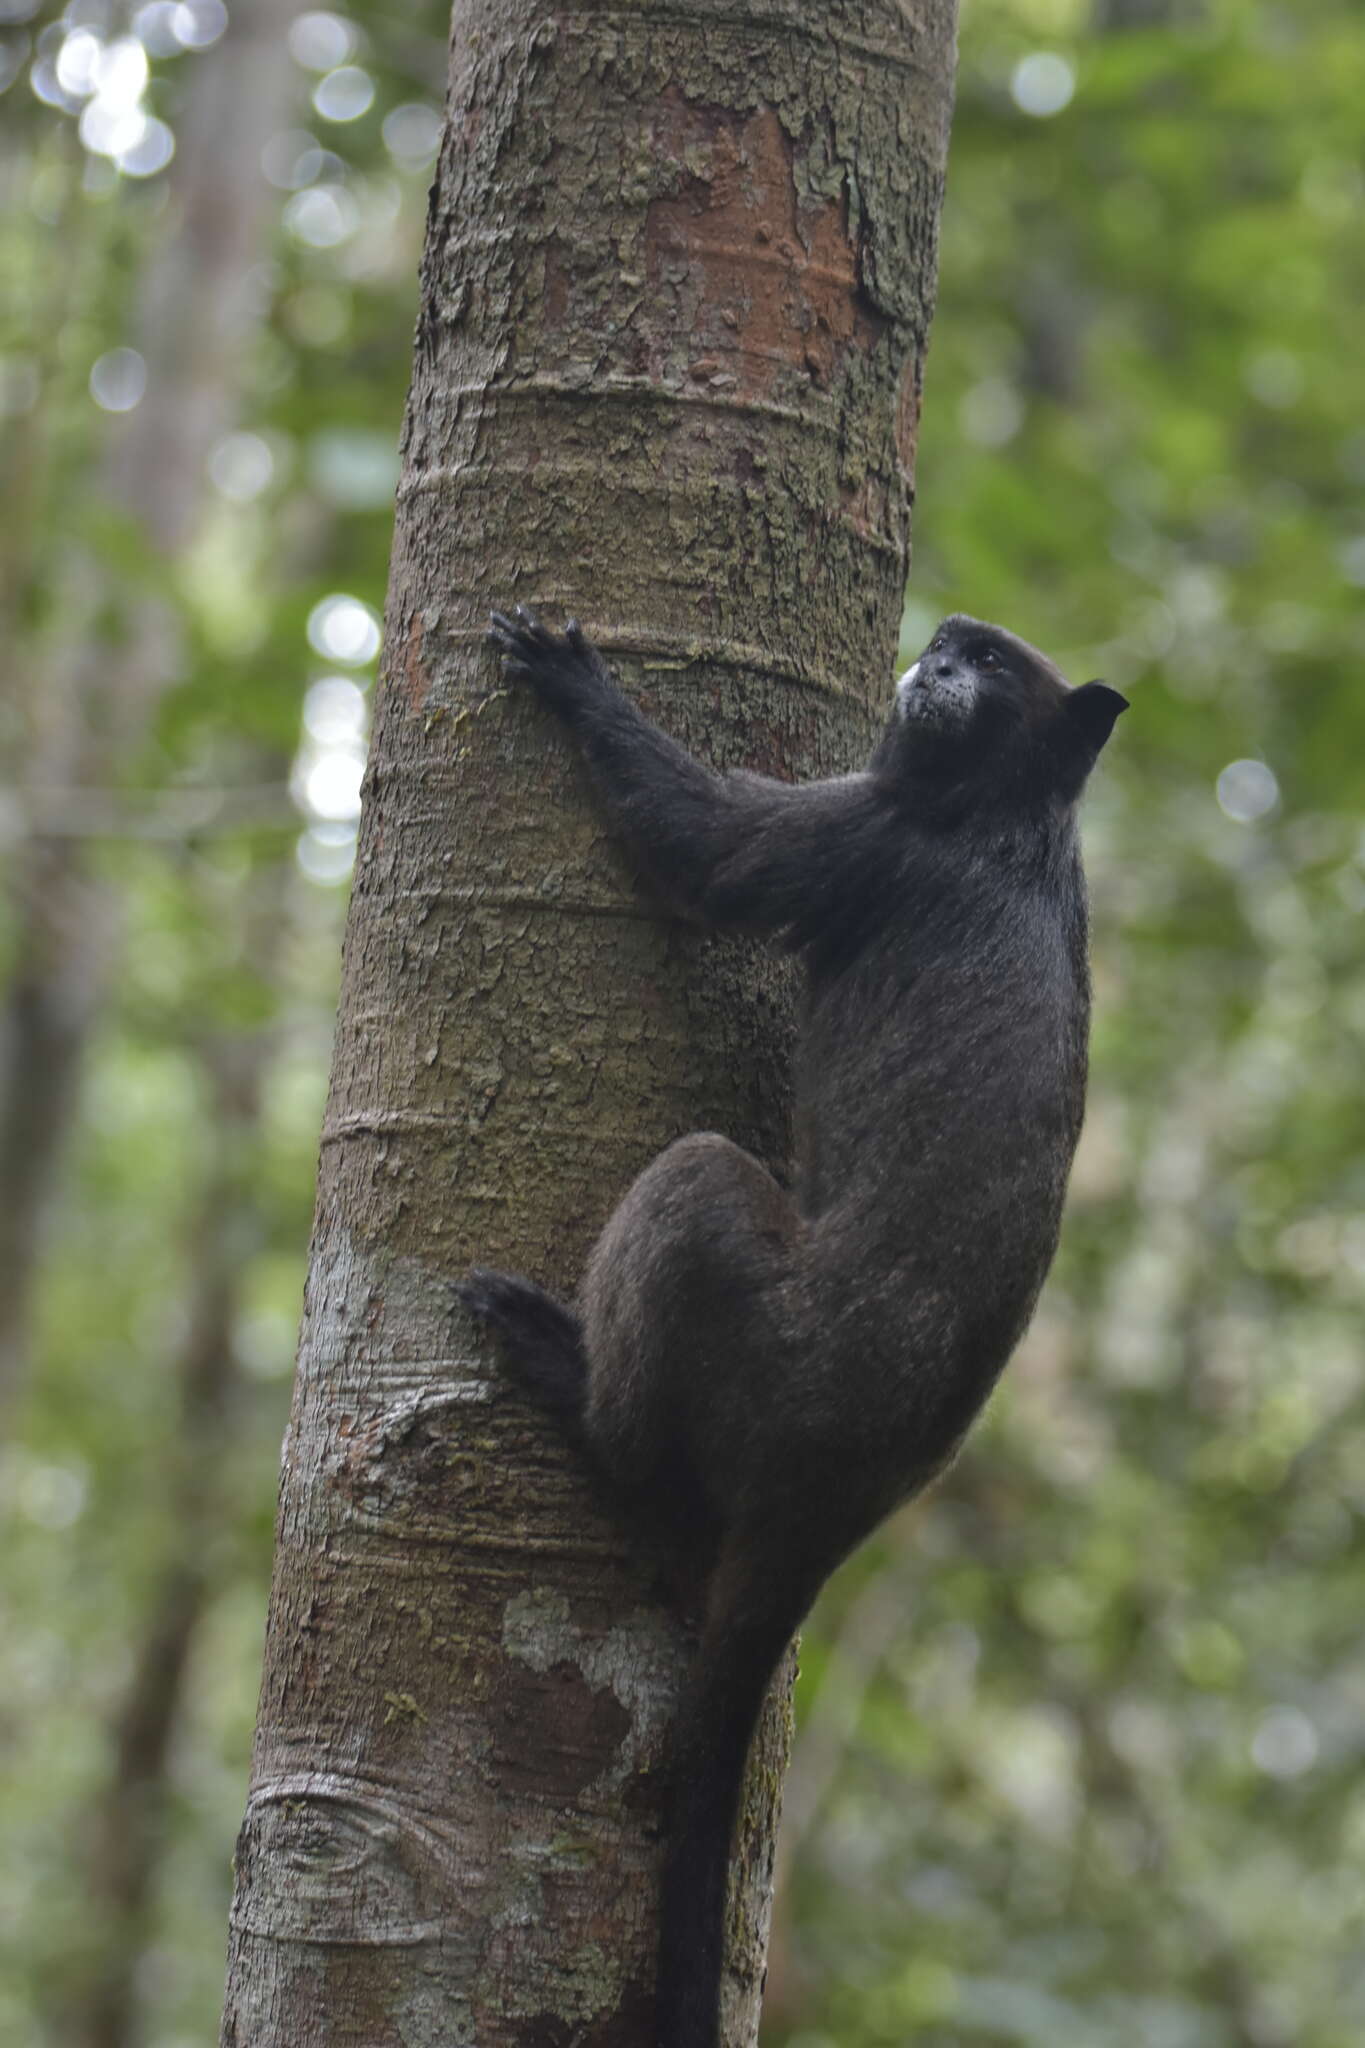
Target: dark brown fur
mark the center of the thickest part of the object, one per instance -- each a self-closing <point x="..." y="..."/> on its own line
<point x="802" y="1364"/>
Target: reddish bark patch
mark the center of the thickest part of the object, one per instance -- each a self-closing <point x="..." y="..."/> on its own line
<point x="768" y="750"/>
<point x="767" y="282"/>
<point x="556" y="1733"/>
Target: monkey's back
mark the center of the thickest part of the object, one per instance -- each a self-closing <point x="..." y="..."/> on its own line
<point x="940" y="1087"/>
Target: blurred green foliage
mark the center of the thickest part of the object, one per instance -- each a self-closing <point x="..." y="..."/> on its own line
<point x="1081" y="1732"/>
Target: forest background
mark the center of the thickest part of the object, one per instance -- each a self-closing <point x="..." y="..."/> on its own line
<point x="1081" y="1734"/>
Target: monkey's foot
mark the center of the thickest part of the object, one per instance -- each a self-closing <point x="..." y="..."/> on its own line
<point x="564" y="668"/>
<point x="541" y="1340"/>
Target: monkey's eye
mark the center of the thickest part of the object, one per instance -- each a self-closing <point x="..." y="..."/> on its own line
<point x="989" y="661"/>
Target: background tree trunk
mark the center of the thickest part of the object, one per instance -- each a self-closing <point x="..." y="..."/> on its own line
<point x="676" y="291"/>
<point x="128" y="1821"/>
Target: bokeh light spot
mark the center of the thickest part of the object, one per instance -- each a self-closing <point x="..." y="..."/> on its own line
<point x="322" y="217"/>
<point x="150" y="153"/>
<point x="335" y="711"/>
<point x="293" y="159"/>
<point x="1247" y="790"/>
<point x="1042" y="83"/>
<point x="331" y="784"/>
<point x="198" y="24"/>
<point x="412" y="134"/>
<point x="118" y="74"/>
<point x="77" y="60"/>
<point x="326" y="854"/>
<point x="111" y="131"/>
<point x="154" y="27"/>
<point x="240" y="466"/>
<point x="344" y="95"/>
<point x="354" y="469"/>
<point x="320" y="41"/>
<point x="343" y="629"/>
<point x="118" y="380"/>
<point x="47" y="87"/>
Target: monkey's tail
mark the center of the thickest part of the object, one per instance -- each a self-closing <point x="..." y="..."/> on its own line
<point x="741" y="1646"/>
<point x="541" y="1339"/>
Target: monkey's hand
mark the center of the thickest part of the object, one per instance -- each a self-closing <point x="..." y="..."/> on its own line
<point x="565" y="670"/>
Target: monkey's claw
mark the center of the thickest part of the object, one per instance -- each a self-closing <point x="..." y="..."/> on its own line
<point x="524" y="643"/>
<point x="561" y="667"/>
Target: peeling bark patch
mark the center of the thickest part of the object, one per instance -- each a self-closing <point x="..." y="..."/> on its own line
<point x="767" y="278"/>
<point x="637" y="1664"/>
<point x="552" y="1739"/>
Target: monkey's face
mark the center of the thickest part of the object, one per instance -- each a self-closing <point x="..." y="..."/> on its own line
<point x="979" y="695"/>
<point x="968" y="667"/>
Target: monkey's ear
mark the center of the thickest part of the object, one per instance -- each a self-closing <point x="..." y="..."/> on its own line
<point x="1091" y="712"/>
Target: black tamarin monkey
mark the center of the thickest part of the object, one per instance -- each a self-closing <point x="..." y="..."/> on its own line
<point x="793" y="1366"/>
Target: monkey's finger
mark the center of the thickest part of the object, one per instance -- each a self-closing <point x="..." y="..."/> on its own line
<point x="520" y="657"/>
<point x="500" y="627"/>
<point x="531" y="626"/>
<point x="573" y="633"/>
<point x="506" y="637"/>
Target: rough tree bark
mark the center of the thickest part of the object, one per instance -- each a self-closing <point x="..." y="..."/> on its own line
<point x="676" y="292"/>
<point x="196" y="313"/>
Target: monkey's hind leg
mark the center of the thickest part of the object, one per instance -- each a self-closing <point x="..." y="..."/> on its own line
<point x="687" y="1315"/>
<point x="541" y="1340"/>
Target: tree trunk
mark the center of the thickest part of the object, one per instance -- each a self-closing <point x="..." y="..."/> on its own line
<point x="197" y="315"/>
<point x="676" y="291"/>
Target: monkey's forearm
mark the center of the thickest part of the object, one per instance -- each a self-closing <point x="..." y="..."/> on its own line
<point x="691" y="829"/>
